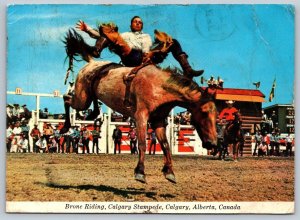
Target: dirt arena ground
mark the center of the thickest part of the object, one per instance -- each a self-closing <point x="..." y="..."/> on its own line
<point x="71" y="177"/>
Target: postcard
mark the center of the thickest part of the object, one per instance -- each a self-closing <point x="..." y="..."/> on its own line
<point x="150" y="108"/>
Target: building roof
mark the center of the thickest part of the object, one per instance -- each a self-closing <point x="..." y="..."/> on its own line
<point x="242" y="95"/>
<point x="279" y="105"/>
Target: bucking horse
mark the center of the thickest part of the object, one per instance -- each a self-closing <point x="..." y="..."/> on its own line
<point x="153" y="94"/>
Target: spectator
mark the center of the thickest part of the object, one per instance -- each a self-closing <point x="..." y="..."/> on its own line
<point x="277" y="144"/>
<point x="187" y="118"/>
<point x="75" y="139"/>
<point x="16" y="112"/>
<point x="26" y="112"/>
<point x="17" y="131"/>
<point x="46" y="113"/>
<point x="57" y="137"/>
<point x="41" y="144"/>
<point x="258" y="141"/>
<point x="271" y="125"/>
<point x="35" y="134"/>
<point x="177" y="119"/>
<point x="152" y="142"/>
<point x="277" y="129"/>
<point x="85" y="139"/>
<point x="53" y="145"/>
<point x="266" y="138"/>
<point x="272" y="143"/>
<point x="117" y="137"/>
<point x="22" y="144"/>
<point x="80" y="144"/>
<point x="66" y="145"/>
<point x="274" y="118"/>
<point x="47" y="131"/>
<point x="133" y="140"/>
<point x="263" y="116"/>
<point x="289" y="145"/>
<point x="25" y="131"/>
<point x="182" y="121"/>
<point x="211" y="82"/>
<point x="9" y="113"/>
<point x="263" y="147"/>
<point x="9" y="137"/>
<point x="96" y="136"/>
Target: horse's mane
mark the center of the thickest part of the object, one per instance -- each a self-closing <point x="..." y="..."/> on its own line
<point x="177" y="79"/>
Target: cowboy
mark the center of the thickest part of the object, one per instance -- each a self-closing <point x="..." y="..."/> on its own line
<point x="136" y="47"/>
<point x="228" y="112"/>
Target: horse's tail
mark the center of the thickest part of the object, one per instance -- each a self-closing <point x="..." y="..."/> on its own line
<point x="76" y="46"/>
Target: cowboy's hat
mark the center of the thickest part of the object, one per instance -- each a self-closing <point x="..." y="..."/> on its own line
<point x="229" y="102"/>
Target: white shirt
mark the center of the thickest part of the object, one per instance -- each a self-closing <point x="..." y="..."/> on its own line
<point x="17" y="131"/>
<point x="9" y="132"/>
<point x="138" y="40"/>
<point x="41" y="143"/>
<point x="9" y="111"/>
<point x="23" y="143"/>
<point x="289" y="139"/>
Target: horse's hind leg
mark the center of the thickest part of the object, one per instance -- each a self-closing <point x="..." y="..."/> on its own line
<point x="168" y="167"/>
<point x="78" y="100"/>
<point x="141" y="118"/>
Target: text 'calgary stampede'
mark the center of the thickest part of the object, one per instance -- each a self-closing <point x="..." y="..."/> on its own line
<point x="157" y="207"/>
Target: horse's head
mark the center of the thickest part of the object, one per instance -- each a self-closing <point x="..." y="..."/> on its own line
<point x="204" y="115"/>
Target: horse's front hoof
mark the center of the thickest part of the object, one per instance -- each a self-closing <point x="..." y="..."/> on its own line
<point x="171" y="178"/>
<point x="140" y="177"/>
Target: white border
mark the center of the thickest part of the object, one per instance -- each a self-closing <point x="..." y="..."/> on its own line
<point x="4" y="3"/>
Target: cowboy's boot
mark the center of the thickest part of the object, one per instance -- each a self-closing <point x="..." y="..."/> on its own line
<point x="112" y="34"/>
<point x="186" y="67"/>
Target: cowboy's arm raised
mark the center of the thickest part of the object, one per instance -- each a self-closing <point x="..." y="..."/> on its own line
<point x="81" y="25"/>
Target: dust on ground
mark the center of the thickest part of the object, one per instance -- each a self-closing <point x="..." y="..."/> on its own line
<point x="100" y="178"/>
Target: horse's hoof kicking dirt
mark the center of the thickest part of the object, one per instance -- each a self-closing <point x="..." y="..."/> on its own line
<point x="140" y="177"/>
<point x="171" y="178"/>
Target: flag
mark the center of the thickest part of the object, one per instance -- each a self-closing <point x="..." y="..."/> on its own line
<point x="272" y="93"/>
<point x="257" y="84"/>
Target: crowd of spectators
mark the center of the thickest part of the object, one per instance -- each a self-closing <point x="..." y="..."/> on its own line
<point x="15" y="112"/>
<point x="267" y="140"/>
<point x="269" y="144"/>
<point x="49" y="140"/>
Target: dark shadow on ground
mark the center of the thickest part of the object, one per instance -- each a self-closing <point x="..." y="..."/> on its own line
<point x="124" y="192"/>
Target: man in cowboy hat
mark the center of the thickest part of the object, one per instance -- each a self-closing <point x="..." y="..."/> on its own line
<point x="228" y="112"/>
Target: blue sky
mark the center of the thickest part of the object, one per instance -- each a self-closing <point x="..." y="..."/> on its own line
<point x="240" y="43"/>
